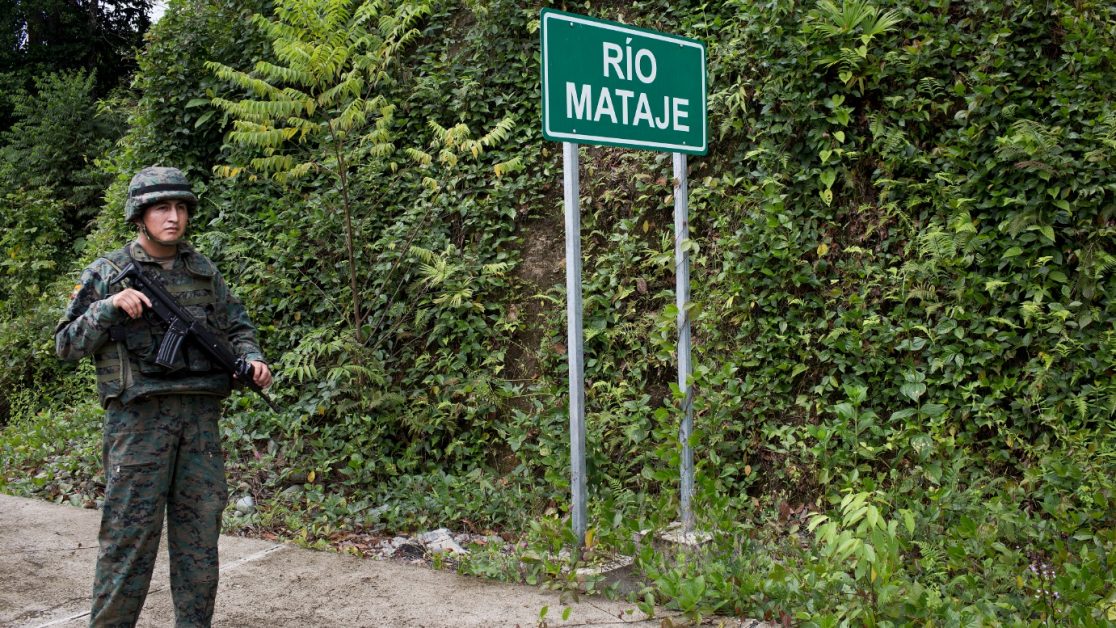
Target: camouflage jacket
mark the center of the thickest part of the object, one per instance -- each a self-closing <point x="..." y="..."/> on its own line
<point x="123" y="349"/>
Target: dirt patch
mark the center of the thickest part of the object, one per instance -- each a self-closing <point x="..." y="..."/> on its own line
<point x="544" y="252"/>
<point x="543" y="267"/>
<point x="48" y="552"/>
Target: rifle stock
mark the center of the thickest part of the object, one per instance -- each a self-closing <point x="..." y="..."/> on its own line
<point x="182" y="325"/>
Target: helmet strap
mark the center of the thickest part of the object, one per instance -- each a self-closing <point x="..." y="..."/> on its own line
<point x="147" y="234"/>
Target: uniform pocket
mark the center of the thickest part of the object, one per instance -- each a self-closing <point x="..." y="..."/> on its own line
<point x="132" y="471"/>
<point x="137" y="472"/>
<point x="139" y="340"/>
<point x="197" y="360"/>
<point x="219" y="317"/>
<point x="143" y="343"/>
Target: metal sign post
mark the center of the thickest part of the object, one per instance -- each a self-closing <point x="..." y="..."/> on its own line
<point x="575" y="339"/>
<point x="682" y="300"/>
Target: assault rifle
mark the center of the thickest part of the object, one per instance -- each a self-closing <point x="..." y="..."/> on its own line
<point x="182" y="325"/>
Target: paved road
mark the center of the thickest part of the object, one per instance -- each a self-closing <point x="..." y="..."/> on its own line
<point x="47" y="554"/>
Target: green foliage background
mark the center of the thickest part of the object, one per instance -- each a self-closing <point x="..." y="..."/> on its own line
<point x="903" y="269"/>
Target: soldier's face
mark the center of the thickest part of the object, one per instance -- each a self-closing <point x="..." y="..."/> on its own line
<point x="166" y="220"/>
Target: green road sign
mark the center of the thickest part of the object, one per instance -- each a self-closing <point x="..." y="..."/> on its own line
<point x="607" y="83"/>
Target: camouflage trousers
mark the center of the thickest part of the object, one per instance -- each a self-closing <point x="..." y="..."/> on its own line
<point x="160" y="454"/>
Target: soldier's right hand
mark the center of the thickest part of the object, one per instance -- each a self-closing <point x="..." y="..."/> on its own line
<point x="132" y="301"/>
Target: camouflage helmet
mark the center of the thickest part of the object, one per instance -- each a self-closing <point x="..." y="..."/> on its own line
<point x="154" y="184"/>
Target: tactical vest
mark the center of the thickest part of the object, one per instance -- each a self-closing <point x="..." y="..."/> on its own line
<point x="126" y="368"/>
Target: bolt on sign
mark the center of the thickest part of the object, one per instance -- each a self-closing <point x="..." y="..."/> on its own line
<point x="607" y="83"/>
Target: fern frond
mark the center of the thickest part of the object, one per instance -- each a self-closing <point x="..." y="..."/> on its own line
<point x="878" y="24"/>
<point x="227" y="172"/>
<point x="439" y="132"/>
<point x="291" y="51"/>
<point x="931" y="87"/>
<point x="240" y="79"/>
<point x="447" y="157"/>
<point x="420" y="157"/>
<point x="282" y="73"/>
<point x="424" y="255"/>
<point x="260" y="111"/>
<point x="351" y="87"/>
<point x="303" y="128"/>
<point x="508" y="167"/>
<point x="368" y="11"/>
<point x="271" y="138"/>
<point x="273" y="164"/>
<point x="499" y="133"/>
<point x="1020" y="222"/>
<point x="455" y="299"/>
<point x="381" y="150"/>
<point x="496" y="269"/>
<point x="353" y="116"/>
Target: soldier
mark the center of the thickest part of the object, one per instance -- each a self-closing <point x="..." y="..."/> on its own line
<point x="162" y="451"/>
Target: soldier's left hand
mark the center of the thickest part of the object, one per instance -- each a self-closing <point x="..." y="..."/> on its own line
<point x="261" y="374"/>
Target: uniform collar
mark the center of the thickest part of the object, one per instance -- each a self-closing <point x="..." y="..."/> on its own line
<point x="138" y="253"/>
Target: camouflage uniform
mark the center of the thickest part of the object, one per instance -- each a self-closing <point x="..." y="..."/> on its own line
<point x="162" y="449"/>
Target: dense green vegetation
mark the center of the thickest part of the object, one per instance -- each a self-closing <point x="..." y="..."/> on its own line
<point x="904" y="269"/>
